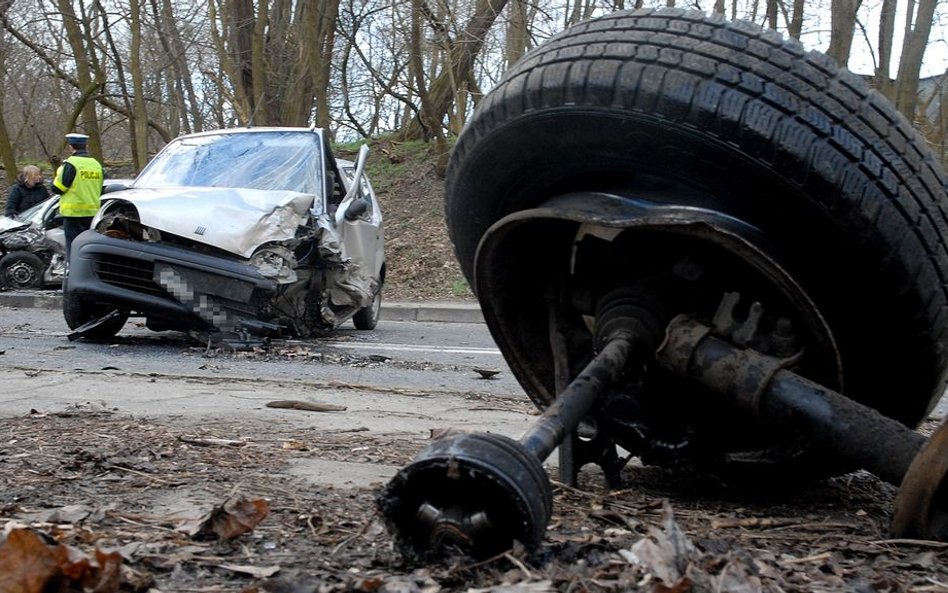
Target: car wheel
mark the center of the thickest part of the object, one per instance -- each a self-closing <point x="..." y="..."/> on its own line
<point x="367" y="318"/>
<point x="672" y="108"/>
<point x="20" y="270"/>
<point x="79" y="311"/>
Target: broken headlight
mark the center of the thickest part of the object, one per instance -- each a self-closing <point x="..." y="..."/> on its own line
<point x="276" y="262"/>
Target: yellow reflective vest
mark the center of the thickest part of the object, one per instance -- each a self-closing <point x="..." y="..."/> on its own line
<point x="81" y="196"/>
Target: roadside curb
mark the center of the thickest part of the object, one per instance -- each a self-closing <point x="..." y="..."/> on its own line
<point x="423" y="311"/>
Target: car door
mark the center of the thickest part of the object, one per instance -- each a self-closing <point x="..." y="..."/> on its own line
<point x="363" y="235"/>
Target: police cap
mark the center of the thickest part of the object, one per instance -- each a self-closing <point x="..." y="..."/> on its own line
<point x="76" y="139"/>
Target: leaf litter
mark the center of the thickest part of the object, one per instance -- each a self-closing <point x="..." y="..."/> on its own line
<point x="107" y="503"/>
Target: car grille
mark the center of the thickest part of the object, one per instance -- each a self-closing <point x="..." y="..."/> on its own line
<point x="126" y="272"/>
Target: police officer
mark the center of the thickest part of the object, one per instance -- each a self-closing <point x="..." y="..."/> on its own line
<point x="79" y="182"/>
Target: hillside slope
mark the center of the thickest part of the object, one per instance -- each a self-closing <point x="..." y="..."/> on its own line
<point x="419" y="256"/>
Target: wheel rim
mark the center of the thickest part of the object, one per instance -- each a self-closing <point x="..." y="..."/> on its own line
<point x="21" y="275"/>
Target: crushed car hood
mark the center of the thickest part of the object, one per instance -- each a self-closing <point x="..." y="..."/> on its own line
<point x="235" y="220"/>
<point x="8" y="224"/>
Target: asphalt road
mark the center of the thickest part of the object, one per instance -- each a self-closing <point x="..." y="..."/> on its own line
<point x="405" y="380"/>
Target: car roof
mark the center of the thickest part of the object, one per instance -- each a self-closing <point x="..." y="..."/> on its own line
<point x="251" y="130"/>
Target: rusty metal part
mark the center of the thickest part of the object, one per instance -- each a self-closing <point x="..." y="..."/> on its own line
<point x="592" y="446"/>
<point x="921" y="506"/>
<point x="853" y="433"/>
<point x="478" y="493"/>
<point x="475" y="493"/>
<point x="564" y="414"/>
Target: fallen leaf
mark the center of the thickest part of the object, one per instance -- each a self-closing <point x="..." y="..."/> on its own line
<point x="667" y="552"/>
<point x="235" y="517"/>
<point x="28" y="564"/>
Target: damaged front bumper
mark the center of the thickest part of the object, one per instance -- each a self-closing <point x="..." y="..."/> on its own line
<point x="173" y="288"/>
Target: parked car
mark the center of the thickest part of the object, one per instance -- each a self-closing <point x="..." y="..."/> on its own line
<point x="236" y="235"/>
<point x="32" y="247"/>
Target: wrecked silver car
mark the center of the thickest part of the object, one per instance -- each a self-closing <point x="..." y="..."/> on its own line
<point x="233" y="235"/>
<point x="32" y="247"/>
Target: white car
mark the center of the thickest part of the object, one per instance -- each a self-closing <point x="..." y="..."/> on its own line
<point x="237" y="235"/>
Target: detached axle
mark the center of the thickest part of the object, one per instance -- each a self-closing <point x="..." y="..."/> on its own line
<point x="478" y="493"/>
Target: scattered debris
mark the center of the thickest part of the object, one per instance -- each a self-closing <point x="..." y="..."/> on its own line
<point x="487" y="373"/>
<point x="139" y="481"/>
<point x="290" y="404"/>
<point x="211" y="442"/>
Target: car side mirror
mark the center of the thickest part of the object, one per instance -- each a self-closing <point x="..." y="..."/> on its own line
<point x="357" y="208"/>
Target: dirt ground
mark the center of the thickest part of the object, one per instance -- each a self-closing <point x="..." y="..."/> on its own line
<point x="143" y="493"/>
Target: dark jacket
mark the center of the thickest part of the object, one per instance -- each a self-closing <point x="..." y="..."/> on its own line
<point x="21" y="197"/>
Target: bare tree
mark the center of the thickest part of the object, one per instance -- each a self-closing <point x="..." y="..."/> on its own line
<point x="461" y="53"/>
<point x="7" y="156"/>
<point x="918" y="26"/>
<point x="183" y="94"/>
<point x="277" y="55"/>
<point x="518" y="34"/>
<point x="843" y="27"/>
<point x="881" y="78"/>
<point x="140" y="121"/>
<point x="795" y="24"/>
<point x="89" y="75"/>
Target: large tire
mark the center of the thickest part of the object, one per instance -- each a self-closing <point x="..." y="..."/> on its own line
<point x="753" y="127"/>
<point x="21" y="270"/>
<point x="79" y="311"/>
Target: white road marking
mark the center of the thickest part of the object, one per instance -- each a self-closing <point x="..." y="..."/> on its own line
<point x="411" y="348"/>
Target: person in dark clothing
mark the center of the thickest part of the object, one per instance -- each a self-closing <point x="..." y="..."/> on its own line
<point x="27" y="192"/>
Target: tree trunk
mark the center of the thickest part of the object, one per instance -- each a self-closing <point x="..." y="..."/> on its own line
<point x="7" y="156"/>
<point x="910" y="62"/>
<point x="220" y="37"/>
<point x="518" y="35"/>
<point x="140" y="152"/>
<point x="321" y="49"/>
<point x="88" y="77"/>
<point x="842" y="29"/>
<point x="882" y="78"/>
<point x="184" y="97"/>
<point x="772" y="14"/>
<point x="795" y="27"/>
<point x="127" y="97"/>
<point x="261" y="92"/>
